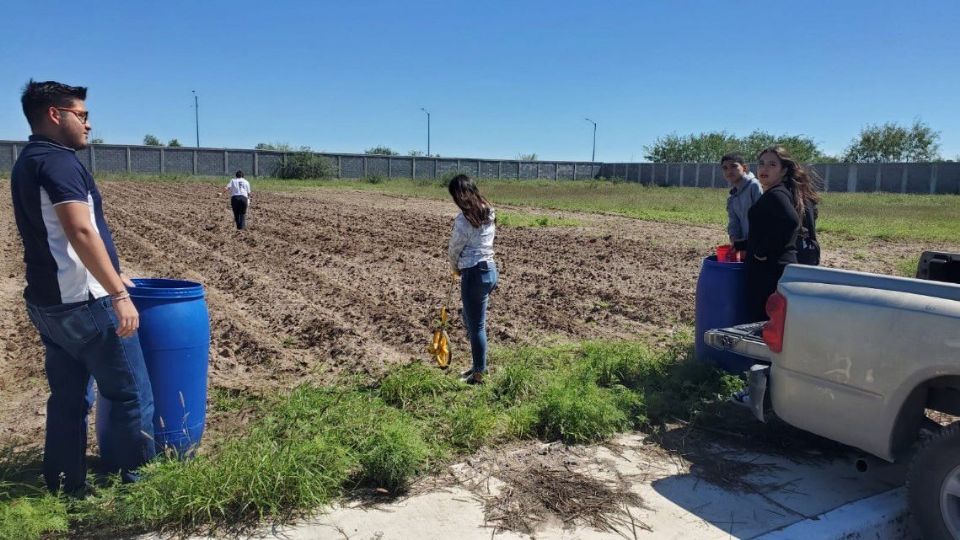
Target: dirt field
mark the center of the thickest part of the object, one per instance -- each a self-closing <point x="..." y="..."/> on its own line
<point x="326" y="282"/>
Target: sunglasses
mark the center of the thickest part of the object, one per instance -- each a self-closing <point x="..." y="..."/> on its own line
<point x="82" y="116"/>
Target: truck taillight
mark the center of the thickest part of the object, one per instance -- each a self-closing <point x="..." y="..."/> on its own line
<point x="773" y="329"/>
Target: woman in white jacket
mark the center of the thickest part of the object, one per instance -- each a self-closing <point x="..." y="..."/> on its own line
<point x="471" y="256"/>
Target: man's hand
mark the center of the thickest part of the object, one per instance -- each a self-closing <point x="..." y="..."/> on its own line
<point x="74" y="216"/>
<point x="127" y="316"/>
<point x="126" y="280"/>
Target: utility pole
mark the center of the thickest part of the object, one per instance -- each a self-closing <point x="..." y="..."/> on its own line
<point x="428" y="130"/>
<point x="593" y="155"/>
<point x="196" y="115"/>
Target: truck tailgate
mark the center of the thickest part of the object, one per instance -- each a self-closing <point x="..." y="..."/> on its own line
<point x="744" y="339"/>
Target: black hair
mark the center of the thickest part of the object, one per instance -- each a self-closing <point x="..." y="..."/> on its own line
<point x="734" y="157"/>
<point x="239" y="174"/>
<point x="466" y="195"/>
<point x="39" y="96"/>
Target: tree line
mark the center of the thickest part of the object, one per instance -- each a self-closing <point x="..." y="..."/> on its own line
<point x="879" y="143"/>
<point x="150" y="140"/>
<point x="888" y="142"/>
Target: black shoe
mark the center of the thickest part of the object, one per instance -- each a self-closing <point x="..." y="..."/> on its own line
<point x="474" y="378"/>
<point x="78" y="493"/>
<point x="467" y="373"/>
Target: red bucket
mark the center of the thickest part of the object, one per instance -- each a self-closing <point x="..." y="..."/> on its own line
<point x="723" y="253"/>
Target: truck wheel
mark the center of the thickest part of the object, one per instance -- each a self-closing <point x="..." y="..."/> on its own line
<point x="933" y="485"/>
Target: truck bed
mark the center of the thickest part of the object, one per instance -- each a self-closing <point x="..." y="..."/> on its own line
<point x="833" y="276"/>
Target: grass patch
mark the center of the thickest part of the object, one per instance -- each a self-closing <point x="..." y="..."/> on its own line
<point x="250" y="479"/>
<point x="32" y="517"/>
<point x="409" y="385"/>
<point x="227" y="399"/>
<point x="518" y="220"/>
<point x="392" y="453"/>
<point x="317" y="443"/>
<point x="578" y="411"/>
<point x="907" y="267"/>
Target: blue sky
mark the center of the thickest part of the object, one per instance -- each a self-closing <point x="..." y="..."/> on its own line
<point x="499" y="78"/>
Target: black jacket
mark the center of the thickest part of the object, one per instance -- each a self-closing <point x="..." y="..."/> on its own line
<point x="774" y="225"/>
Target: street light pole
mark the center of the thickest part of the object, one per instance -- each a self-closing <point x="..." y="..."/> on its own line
<point x="593" y="156"/>
<point x="196" y="115"/>
<point x="428" y="130"/>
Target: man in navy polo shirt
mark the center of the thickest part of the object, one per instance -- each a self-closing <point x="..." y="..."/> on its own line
<point x="76" y="295"/>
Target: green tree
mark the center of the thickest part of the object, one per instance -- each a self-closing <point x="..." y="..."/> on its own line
<point x="527" y="157"/>
<point x="279" y="147"/>
<point x="305" y="164"/>
<point x="174" y="143"/>
<point x="96" y="140"/>
<point x="150" y="140"/>
<point x="892" y="142"/>
<point x="702" y="147"/>
<point x="803" y="149"/>
<point x="381" y="151"/>
<point x="710" y="147"/>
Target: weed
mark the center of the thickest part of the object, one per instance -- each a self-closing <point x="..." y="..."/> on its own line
<point x="516" y="382"/>
<point x="471" y="424"/>
<point x="578" y="411"/>
<point x="521" y="421"/>
<point x="32" y="517"/>
<point x="446" y="177"/>
<point x="392" y="453"/>
<point x="908" y="267"/>
<point x="410" y="384"/>
<point x="628" y="364"/>
<point x="228" y="399"/>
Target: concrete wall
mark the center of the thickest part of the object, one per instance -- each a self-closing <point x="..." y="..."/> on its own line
<point x="853" y="177"/>
<point x="225" y="162"/>
<point x="932" y="178"/>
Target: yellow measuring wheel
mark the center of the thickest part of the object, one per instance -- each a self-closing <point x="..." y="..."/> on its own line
<point x="439" y="346"/>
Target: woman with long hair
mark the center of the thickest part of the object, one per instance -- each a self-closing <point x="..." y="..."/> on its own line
<point x="775" y="223"/>
<point x="471" y="255"/>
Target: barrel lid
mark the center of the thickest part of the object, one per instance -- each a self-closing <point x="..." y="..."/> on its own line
<point x="165" y="288"/>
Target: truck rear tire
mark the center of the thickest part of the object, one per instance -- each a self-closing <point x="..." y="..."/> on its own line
<point x="933" y="485"/>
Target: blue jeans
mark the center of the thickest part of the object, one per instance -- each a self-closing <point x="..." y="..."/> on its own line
<point x="476" y="284"/>
<point x="81" y="341"/>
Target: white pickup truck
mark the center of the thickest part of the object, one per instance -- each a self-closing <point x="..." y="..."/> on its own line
<point x="861" y="359"/>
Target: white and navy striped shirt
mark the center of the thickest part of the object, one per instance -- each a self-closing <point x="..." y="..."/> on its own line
<point x="45" y="175"/>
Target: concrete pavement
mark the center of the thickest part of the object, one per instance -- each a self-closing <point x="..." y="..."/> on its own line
<point x="684" y="495"/>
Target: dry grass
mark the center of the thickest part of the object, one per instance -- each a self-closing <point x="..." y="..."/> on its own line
<point x="539" y="490"/>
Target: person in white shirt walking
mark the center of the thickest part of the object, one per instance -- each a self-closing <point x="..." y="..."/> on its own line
<point x="471" y="255"/>
<point x="239" y="190"/>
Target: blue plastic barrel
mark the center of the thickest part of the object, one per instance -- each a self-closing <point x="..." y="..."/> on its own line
<point x="721" y="302"/>
<point x="175" y="338"/>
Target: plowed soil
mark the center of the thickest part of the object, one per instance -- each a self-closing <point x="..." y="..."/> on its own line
<point x="325" y="282"/>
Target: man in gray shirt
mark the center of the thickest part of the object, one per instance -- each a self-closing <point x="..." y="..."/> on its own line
<point x="745" y="190"/>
